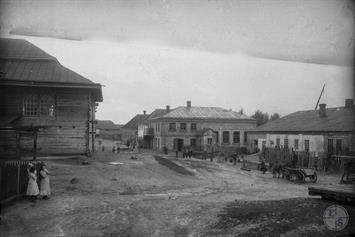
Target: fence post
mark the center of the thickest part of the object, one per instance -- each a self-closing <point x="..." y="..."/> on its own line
<point x="18" y="180"/>
<point x="34" y="145"/>
<point x="18" y="154"/>
<point x="0" y="187"/>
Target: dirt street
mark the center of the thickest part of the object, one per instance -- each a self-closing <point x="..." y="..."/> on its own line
<point x="150" y="196"/>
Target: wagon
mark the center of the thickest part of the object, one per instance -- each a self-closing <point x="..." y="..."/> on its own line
<point x="300" y="174"/>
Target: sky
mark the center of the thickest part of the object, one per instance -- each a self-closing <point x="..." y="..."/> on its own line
<point x="267" y="54"/>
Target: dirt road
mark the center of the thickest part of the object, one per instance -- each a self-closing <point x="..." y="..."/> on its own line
<point x="145" y="197"/>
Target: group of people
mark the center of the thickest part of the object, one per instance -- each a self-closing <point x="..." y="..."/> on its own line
<point x="33" y="190"/>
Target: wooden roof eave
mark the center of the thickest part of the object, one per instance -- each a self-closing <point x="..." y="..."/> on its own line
<point x="95" y="87"/>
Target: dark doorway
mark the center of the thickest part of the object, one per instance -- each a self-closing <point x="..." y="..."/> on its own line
<point x="178" y="144"/>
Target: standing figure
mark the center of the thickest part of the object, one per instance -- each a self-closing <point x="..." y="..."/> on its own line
<point x="294" y="159"/>
<point x="32" y="187"/>
<point x="45" y="187"/>
<point x="263" y="167"/>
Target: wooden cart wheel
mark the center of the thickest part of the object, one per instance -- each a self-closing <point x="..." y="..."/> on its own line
<point x="301" y="177"/>
<point x="313" y="178"/>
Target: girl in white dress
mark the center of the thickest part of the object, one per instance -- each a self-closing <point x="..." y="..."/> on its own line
<point x="45" y="187"/>
<point x="32" y="187"/>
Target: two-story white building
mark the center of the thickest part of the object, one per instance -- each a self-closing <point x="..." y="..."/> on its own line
<point x="199" y="127"/>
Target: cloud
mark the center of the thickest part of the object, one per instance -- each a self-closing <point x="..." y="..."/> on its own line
<point x="320" y="32"/>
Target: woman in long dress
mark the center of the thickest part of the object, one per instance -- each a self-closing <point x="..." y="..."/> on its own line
<point x="45" y="187"/>
<point x="32" y="187"/>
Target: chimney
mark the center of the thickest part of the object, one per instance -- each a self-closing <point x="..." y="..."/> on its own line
<point x="144" y="112"/>
<point x="322" y="110"/>
<point x="168" y="108"/>
<point x="188" y="103"/>
<point x="349" y="103"/>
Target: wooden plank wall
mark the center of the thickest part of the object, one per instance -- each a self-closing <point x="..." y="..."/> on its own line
<point x="8" y="143"/>
<point x="65" y="133"/>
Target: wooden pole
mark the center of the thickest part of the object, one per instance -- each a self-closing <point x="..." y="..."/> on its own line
<point x="18" y="155"/>
<point x="18" y="180"/>
<point x="319" y="97"/>
<point x="34" y="145"/>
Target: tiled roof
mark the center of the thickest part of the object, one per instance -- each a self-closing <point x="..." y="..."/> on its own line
<point x="205" y="113"/>
<point x="136" y="120"/>
<point x="157" y="113"/>
<point x="22" y="63"/>
<point x="339" y="119"/>
<point x="106" y="124"/>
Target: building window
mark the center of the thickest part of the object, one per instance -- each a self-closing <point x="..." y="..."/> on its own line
<point x="193" y="142"/>
<point x="193" y="127"/>
<point x="296" y="144"/>
<point x="225" y="137"/>
<point x="46" y="105"/>
<point x="183" y="127"/>
<point x="209" y="140"/>
<point x="278" y="142"/>
<point x="338" y="146"/>
<point x="30" y="105"/>
<point x="172" y="127"/>
<point x="245" y="137"/>
<point x="236" y="137"/>
<point x="286" y="142"/>
<point x="330" y="146"/>
<point x="35" y="105"/>
<point x="306" y="145"/>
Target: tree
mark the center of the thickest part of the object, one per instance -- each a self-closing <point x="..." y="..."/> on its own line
<point x="274" y="116"/>
<point x="261" y="117"/>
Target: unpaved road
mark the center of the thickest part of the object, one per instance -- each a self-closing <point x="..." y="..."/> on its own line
<point x="145" y="198"/>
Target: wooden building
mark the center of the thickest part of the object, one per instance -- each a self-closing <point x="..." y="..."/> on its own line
<point x="133" y="130"/>
<point x="45" y="108"/>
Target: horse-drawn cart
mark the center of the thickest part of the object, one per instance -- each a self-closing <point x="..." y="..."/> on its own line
<point x="300" y="174"/>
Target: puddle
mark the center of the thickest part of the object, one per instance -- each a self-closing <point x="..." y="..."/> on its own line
<point x="115" y="163"/>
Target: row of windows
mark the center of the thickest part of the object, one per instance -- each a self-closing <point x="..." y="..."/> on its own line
<point x="183" y="126"/>
<point x="35" y="105"/>
<point x="236" y="137"/>
<point x="295" y="145"/>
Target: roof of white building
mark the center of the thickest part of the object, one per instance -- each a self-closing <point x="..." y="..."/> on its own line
<point x="339" y="119"/>
<point x="205" y="113"/>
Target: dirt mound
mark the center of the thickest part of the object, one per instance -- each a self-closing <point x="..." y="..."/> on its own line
<point x="271" y="218"/>
<point x="173" y="166"/>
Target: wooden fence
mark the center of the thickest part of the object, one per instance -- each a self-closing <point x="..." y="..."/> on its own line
<point x="13" y="179"/>
<point x="305" y="159"/>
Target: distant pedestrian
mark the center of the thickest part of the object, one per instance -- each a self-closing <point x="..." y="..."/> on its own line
<point x="294" y="159"/>
<point x="45" y="189"/>
<point x="103" y="148"/>
<point x="204" y="155"/>
<point x="234" y="156"/>
<point x="263" y="167"/>
<point x="32" y="187"/>
<point x="118" y="149"/>
<point x="113" y="149"/>
<point x="190" y="154"/>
